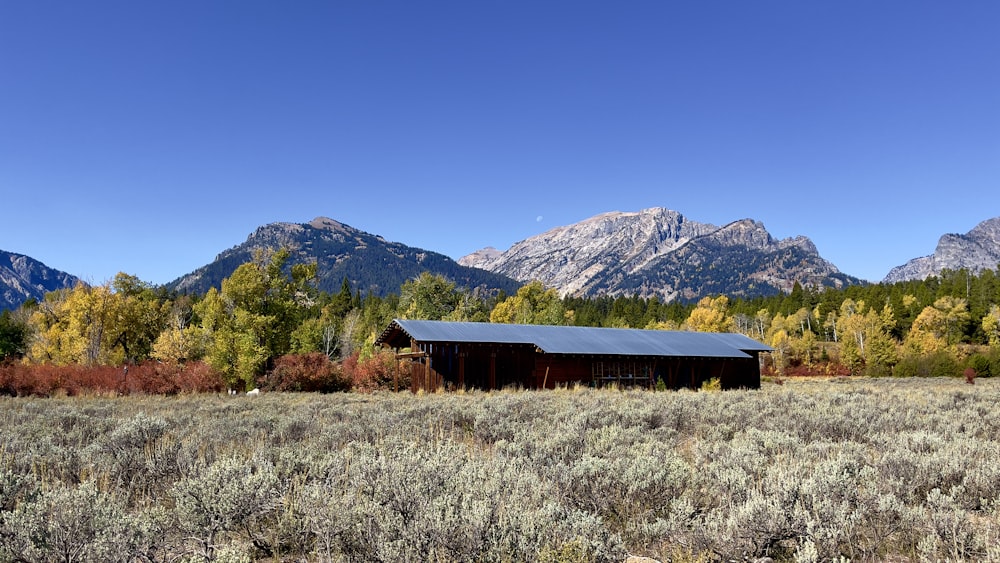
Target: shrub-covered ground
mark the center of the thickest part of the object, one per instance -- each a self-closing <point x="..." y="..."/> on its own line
<point x="884" y="469"/>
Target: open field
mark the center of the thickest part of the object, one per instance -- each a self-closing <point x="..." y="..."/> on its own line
<point x="899" y="469"/>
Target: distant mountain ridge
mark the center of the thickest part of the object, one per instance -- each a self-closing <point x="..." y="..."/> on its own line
<point x="369" y="262"/>
<point x="658" y="252"/>
<point x="23" y="278"/>
<point x="977" y="250"/>
<point x="653" y="252"/>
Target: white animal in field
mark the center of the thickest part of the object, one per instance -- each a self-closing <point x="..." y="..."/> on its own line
<point x="253" y="392"/>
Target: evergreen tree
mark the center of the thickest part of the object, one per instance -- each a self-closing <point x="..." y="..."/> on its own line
<point x="13" y="336"/>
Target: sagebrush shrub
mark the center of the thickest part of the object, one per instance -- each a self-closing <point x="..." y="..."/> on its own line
<point x="869" y="470"/>
<point x="66" y="524"/>
<point x="231" y="496"/>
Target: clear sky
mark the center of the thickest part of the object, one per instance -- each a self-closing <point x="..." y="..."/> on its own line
<point x="147" y="137"/>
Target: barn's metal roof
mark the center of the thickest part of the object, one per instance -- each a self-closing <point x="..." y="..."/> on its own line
<point x="581" y="340"/>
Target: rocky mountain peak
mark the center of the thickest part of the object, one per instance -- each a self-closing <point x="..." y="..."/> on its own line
<point x="987" y="232"/>
<point x="977" y="250"/>
<point x="481" y="256"/>
<point x="658" y="251"/>
<point x="328" y="224"/>
<point x="23" y="278"/>
<point x="571" y="257"/>
<point x="746" y="232"/>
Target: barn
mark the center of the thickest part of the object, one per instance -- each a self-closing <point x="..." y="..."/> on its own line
<point x="492" y="356"/>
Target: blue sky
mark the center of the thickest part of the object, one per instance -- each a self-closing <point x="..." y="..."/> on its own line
<point x="147" y="137"/>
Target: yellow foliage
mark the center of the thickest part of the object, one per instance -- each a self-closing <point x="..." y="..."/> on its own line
<point x="533" y="304"/>
<point x="938" y="326"/>
<point x="662" y="325"/>
<point x="78" y="326"/>
<point x="991" y="326"/>
<point x="176" y="344"/>
<point x="712" y="384"/>
<point x="711" y="315"/>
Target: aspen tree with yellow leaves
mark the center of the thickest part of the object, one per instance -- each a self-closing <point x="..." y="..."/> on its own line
<point x="711" y="315"/>
<point x="533" y="304"/>
<point x="107" y="324"/>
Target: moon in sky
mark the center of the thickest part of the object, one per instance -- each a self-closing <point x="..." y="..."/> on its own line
<point x="538" y="219"/>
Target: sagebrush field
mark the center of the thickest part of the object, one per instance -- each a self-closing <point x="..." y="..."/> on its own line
<point x="865" y="469"/>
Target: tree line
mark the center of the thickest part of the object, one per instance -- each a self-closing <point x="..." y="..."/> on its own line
<point x="269" y="310"/>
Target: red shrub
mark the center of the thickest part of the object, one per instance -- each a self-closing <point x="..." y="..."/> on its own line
<point x="305" y="372"/>
<point x="377" y="372"/>
<point x="44" y="380"/>
<point x="168" y="378"/>
<point x="970" y="376"/>
<point x="21" y="380"/>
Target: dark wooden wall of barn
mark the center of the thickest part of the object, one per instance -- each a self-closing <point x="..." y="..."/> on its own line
<point x="676" y="373"/>
<point x="495" y="366"/>
<point x="473" y="366"/>
<point x="733" y="373"/>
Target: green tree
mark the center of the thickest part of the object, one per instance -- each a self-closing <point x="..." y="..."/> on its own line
<point x="342" y="301"/>
<point x="317" y="334"/>
<point x="866" y="343"/>
<point x="428" y="297"/>
<point x="235" y="338"/>
<point x="251" y="320"/>
<point x="13" y="336"/>
<point x="139" y="317"/>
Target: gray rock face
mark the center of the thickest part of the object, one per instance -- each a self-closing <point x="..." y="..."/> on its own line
<point x="571" y="258"/>
<point x="977" y="250"/>
<point x="23" y="278"/>
<point x="658" y="252"/>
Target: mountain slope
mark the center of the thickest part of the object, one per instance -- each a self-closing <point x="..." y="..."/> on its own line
<point x="575" y="257"/>
<point x="658" y="252"/>
<point x="23" y="278"/>
<point x="739" y="259"/>
<point x="369" y="262"/>
<point x="977" y="250"/>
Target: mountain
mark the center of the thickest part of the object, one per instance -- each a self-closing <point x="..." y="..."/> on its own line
<point x="23" y="278"/>
<point x="369" y="262"/>
<point x="977" y="250"/>
<point x="659" y="252"/>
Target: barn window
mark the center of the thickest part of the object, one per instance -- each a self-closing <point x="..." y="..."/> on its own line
<point x="628" y="372"/>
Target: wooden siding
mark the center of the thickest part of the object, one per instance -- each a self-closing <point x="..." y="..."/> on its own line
<point x="495" y="366"/>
